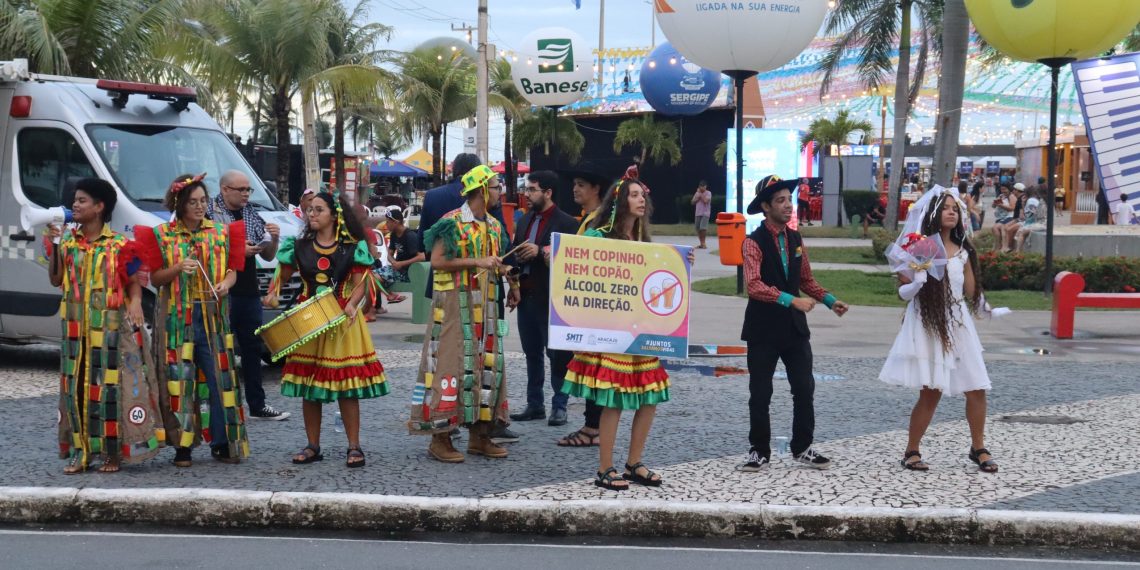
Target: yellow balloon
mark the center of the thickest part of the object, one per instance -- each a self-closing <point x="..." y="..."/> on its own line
<point x="1033" y="30"/>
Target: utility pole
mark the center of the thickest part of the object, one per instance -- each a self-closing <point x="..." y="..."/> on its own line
<point x="601" y="49"/>
<point x="481" y="86"/>
<point x="882" y="138"/>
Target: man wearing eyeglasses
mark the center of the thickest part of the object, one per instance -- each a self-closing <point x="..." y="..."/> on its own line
<point x="533" y="297"/>
<point x="232" y="205"/>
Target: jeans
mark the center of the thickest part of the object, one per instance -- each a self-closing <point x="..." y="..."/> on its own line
<point x="797" y="357"/>
<point x="533" y="316"/>
<point x="245" y="318"/>
<point x="206" y="360"/>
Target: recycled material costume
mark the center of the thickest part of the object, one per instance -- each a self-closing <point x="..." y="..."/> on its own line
<point x="195" y="341"/>
<point x="623" y="381"/>
<point x="108" y="402"/>
<point x="462" y="378"/>
<point x="341" y="363"/>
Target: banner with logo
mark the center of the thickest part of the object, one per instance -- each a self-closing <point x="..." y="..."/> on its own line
<point x="619" y="296"/>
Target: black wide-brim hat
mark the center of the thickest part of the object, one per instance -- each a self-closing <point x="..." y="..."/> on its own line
<point x="589" y="172"/>
<point x="768" y="186"/>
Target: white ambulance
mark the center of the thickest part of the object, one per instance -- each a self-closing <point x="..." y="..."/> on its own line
<point x="139" y="136"/>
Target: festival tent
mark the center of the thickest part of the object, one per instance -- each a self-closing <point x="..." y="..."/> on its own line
<point x="391" y="167"/>
<point x="420" y="159"/>
<point x="501" y="168"/>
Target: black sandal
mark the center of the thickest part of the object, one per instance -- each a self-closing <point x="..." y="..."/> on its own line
<point x="354" y="452"/>
<point x="987" y="466"/>
<point x="918" y="465"/>
<point x="607" y="478"/>
<point x="646" y="479"/>
<point x="580" y="438"/>
<point x="308" y="458"/>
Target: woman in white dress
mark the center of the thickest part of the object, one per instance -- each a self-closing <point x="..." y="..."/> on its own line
<point x="938" y="349"/>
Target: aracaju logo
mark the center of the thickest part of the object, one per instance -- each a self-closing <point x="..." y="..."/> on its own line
<point x="555" y="55"/>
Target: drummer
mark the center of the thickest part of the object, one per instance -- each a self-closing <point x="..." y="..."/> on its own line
<point x="193" y="269"/>
<point x="339" y="365"/>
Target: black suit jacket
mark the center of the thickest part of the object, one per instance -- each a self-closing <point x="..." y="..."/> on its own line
<point x="534" y="274"/>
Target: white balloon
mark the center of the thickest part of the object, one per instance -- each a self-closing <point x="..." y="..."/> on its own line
<point x="552" y="66"/>
<point x="744" y="36"/>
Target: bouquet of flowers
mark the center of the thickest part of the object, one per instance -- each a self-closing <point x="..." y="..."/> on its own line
<point x="915" y="252"/>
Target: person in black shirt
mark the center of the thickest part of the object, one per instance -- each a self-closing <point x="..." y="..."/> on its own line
<point x="232" y="205"/>
<point x="403" y="251"/>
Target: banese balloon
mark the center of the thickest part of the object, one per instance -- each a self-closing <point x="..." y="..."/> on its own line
<point x="1033" y="30"/>
<point x="552" y="66"/>
<point x="673" y="85"/>
<point x="740" y="36"/>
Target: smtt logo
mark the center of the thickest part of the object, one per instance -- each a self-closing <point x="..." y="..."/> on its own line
<point x="555" y="55"/>
<point x="573" y="337"/>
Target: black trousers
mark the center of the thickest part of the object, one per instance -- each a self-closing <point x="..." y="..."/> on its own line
<point x="762" y="357"/>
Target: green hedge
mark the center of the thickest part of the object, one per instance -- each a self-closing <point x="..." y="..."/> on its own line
<point x="685" y="208"/>
<point x="1027" y="271"/>
<point x="859" y="202"/>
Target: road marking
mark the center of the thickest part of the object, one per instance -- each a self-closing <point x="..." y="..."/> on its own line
<point x="151" y="536"/>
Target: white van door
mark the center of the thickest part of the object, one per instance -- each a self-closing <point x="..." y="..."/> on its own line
<point x="38" y="159"/>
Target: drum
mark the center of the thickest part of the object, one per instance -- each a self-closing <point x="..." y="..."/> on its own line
<point x="301" y="324"/>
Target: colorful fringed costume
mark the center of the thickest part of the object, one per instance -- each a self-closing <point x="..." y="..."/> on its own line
<point x="341" y="363"/>
<point x="108" y="395"/>
<point x="462" y="378"/>
<point x="623" y="381"/>
<point x="199" y="374"/>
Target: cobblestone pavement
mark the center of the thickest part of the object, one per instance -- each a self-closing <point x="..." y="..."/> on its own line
<point x="1089" y="465"/>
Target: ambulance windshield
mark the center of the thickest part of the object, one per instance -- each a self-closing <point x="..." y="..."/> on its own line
<point x="145" y="159"/>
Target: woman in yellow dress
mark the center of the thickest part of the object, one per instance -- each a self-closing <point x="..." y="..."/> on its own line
<point x="341" y="365"/>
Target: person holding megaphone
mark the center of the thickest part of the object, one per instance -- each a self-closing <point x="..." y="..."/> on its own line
<point x="102" y="345"/>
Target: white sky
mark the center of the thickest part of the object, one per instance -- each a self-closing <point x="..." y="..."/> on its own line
<point x="627" y="24"/>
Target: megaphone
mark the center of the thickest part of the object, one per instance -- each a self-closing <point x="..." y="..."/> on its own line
<point x="32" y="217"/>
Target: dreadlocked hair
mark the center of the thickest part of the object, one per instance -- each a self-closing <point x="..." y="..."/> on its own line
<point x="934" y="299"/>
<point x="342" y="213"/>
<point x="615" y="209"/>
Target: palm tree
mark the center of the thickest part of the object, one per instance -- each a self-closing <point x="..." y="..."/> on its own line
<point x="512" y="104"/>
<point x="533" y="128"/>
<point x="875" y="27"/>
<point x="387" y="139"/>
<point x="720" y="152"/>
<point x="278" y="44"/>
<point x="657" y="140"/>
<point x="115" y="39"/>
<point x="353" y="76"/>
<point x="951" y="87"/>
<point x="837" y="132"/>
<point x="436" y="87"/>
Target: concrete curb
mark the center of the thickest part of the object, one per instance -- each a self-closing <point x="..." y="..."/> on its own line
<point x="217" y="508"/>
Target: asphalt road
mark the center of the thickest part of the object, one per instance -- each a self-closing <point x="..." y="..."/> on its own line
<point x="150" y="547"/>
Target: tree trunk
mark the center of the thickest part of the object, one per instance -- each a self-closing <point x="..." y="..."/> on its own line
<point x="436" y="162"/>
<point x="839" y="219"/>
<point x="898" y="141"/>
<point x="951" y="84"/>
<point x="338" y="148"/>
<point x="256" y="122"/>
<point x="281" y="115"/>
<point x="310" y="144"/>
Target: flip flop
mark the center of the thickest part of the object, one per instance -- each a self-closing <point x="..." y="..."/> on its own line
<point x="397" y="299"/>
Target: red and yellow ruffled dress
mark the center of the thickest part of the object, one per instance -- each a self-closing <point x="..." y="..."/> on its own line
<point x="341" y="363"/>
<point x="623" y="381"/>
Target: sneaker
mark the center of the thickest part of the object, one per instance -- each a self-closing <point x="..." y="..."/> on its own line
<point x="756" y="462"/>
<point x="812" y="459"/>
<point x="503" y="435"/>
<point x="268" y="412"/>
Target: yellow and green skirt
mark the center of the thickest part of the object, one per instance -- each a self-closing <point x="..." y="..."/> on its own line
<point x="623" y="381"/>
<point x="340" y="364"/>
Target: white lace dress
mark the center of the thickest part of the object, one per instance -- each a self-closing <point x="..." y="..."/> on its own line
<point x="917" y="359"/>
